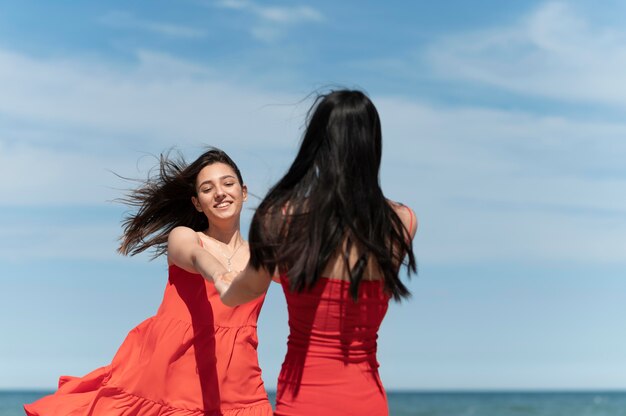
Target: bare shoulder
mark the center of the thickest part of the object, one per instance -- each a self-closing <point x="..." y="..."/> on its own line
<point x="181" y="243"/>
<point x="183" y="235"/>
<point x="407" y="216"/>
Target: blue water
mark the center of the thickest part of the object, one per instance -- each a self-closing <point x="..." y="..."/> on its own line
<point x="446" y="404"/>
<point x="508" y="404"/>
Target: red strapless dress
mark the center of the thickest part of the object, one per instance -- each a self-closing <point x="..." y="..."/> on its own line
<point x="330" y="367"/>
<point x="195" y="357"/>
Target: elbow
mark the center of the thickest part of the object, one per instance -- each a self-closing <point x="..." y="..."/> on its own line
<point x="194" y="261"/>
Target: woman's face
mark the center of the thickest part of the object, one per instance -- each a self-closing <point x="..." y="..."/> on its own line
<point x="219" y="194"/>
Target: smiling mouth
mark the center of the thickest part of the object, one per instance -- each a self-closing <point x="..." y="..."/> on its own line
<point x="222" y="204"/>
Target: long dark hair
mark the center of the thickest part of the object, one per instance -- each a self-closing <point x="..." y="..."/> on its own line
<point x="331" y="195"/>
<point x="163" y="201"/>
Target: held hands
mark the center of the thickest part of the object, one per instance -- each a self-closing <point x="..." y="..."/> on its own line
<point x="222" y="281"/>
<point x="227" y="277"/>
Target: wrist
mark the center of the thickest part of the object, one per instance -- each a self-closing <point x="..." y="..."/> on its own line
<point x="220" y="284"/>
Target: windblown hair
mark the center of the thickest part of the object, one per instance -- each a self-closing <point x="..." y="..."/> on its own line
<point x="163" y="202"/>
<point x="330" y="199"/>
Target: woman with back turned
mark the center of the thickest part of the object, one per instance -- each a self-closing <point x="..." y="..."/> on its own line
<point x="337" y="244"/>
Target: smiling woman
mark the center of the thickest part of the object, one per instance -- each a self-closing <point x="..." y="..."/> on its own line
<point x="220" y="196"/>
<point x="196" y="356"/>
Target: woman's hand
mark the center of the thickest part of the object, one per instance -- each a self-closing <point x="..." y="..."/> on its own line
<point x="236" y="288"/>
<point x="226" y="277"/>
<point x="222" y="281"/>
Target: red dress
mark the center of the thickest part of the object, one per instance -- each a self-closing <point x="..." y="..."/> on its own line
<point x="330" y="368"/>
<point x="195" y="357"/>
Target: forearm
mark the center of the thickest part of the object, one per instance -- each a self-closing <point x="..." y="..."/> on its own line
<point x="246" y="286"/>
<point x="207" y="265"/>
<point x="236" y="293"/>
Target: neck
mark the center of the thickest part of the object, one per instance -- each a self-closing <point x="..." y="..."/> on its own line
<point x="229" y="235"/>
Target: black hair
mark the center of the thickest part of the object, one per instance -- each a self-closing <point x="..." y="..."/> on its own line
<point x="330" y="197"/>
<point x="163" y="202"/>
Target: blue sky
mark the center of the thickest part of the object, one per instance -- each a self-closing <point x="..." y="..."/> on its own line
<point x="503" y="126"/>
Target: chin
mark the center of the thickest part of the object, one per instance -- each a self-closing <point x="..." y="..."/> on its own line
<point x="225" y="215"/>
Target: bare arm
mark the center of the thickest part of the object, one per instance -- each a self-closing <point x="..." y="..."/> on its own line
<point x="185" y="251"/>
<point x="407" y="216"/>
<point x="244" y="287"/>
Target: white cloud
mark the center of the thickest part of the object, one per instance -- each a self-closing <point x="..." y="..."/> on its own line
<point x="159" y="100"/>
<point x="497" y="185"/>
<point x="121" y="19"/>
<point x="266" y="33"/>
<point x="486" y="184"/>
<point x="67" y="123"/>
<point x="52" y="175"/>
<point x="289" y="15"/>
<point x="276" y="14"/>
<point x="272" y="21"/>
<point x="554" y="52"/>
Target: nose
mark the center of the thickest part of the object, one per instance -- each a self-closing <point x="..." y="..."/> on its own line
<point x="219" y="192"/>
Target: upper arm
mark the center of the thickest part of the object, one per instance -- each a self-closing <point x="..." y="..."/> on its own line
<point x="182" y="246"/>
<point x="407" y="216"/>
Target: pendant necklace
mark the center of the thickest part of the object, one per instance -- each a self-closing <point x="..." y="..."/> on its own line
<point x="231" y="256"/>
<point x="228" y="258"/>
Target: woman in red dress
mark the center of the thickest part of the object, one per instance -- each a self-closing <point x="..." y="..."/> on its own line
<point x="337" y="244"/>
<point x="195" y="356"/>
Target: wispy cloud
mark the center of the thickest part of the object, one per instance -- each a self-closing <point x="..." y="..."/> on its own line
<point x="159" y="97"/>
<point x="66" y="121"/>
<point x="120" y="19"/>
<point x="276" y="14"/>
<point x="502" y="159"/>
<point x="272" y="21"/>
<point x="554" y="52"/>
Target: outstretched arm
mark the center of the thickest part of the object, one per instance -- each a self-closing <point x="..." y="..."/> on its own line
<point x="185" y="251"/>
<point x="244" y="287"/>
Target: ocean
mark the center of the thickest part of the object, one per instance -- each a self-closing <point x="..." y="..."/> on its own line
<point x="447" y="403"/>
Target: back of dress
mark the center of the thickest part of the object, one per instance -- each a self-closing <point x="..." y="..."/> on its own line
<point x="331" y="366"/>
